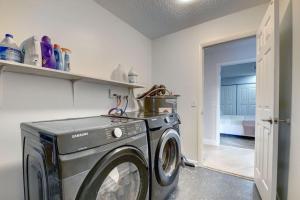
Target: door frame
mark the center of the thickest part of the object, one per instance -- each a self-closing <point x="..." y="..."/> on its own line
<point x="200" y="113"/>
<point x="218" y="102"/>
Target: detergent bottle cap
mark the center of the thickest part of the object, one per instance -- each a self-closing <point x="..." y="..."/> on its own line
<point x="132" y="72"/>
<point x="66" y="50"/>
<point x="56" y="46"/>
<point x="9" y="35"/>
<point x="46" y="39"/>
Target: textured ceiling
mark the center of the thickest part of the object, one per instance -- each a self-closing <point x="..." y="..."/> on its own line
<point x="156" y="18"/>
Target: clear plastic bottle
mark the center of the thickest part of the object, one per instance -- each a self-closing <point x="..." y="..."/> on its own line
<point x="9" y="50"/>
<point x="66" y="57"/>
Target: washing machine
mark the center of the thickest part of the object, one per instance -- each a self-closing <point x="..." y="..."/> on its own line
<point x="94" y="158"/>
<point x="165" y="151"/>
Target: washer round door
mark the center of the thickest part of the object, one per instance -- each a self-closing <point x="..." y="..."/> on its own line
<point x="168" y="157"/>
<point x="120" y="175"/>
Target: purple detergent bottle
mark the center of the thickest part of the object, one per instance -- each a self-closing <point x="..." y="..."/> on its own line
<point x="48" y="58"/>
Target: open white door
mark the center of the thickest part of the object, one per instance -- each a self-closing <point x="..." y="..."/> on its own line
<point x="266" y="147"/>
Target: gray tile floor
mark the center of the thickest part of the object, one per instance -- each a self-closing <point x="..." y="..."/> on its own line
<point x="237" y="141"/>
<point x="205" y="184"/>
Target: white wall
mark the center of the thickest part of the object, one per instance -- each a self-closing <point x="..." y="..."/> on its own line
<point x="177" y="62"/>
<point x="214" y="56"/>
<point x="294" y="172"/>
<point x="99" y="42"/>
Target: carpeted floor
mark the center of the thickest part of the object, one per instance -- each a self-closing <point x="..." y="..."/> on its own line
<point x="237" y="141"/>
<point x="204" y="184"/>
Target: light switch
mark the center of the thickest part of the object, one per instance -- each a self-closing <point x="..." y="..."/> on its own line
<point x="193" y="104"/>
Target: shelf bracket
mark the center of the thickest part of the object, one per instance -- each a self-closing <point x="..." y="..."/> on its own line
<point x="73" y="91"/>
<point x="74" y="81"/>
<point x="1" y="85"/>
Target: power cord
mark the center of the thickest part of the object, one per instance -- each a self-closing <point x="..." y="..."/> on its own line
<point x="126" y="105"/>
<point x="119" y="102"/>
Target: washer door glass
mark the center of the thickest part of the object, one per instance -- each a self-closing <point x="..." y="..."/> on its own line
<point x="122" y="183"/>
<point x="120" y="175"/>
<point x="168" y="157"/>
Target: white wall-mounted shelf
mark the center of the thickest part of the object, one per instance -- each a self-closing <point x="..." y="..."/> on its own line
<point x="7" y="66"/>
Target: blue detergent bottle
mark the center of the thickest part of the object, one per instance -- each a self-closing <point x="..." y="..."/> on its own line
<point x="58" y="57"/>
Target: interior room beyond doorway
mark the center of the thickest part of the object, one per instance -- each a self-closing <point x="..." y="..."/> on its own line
<point x="229" y="106"/>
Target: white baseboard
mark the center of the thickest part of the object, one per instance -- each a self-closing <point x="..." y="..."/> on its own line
<point x="210" y="142"/>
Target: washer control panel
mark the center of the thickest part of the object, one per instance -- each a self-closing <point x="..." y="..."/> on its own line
<point x="172" y="119"/>
<point x="167" y="120"/>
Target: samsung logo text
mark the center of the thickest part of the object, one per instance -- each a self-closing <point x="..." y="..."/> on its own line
<point x="80" y="135"/>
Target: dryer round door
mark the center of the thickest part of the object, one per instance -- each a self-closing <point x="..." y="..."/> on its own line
<point x="120" y="175"/>
<point x="168" y="157"/>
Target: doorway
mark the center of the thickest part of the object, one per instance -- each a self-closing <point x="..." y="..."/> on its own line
<point x="229" y="106"/>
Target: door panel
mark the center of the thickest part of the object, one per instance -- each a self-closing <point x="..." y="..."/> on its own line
<point x="228" y="100"/>
<point x="266" y="146"/>
<point x="246" y="99"/>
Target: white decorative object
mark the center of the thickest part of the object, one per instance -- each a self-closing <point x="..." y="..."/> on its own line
<point x="132" y="76"/>
<point x="119" y="74"/>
